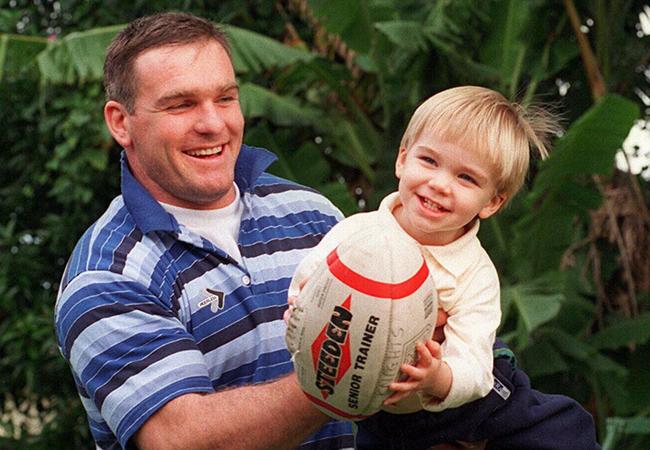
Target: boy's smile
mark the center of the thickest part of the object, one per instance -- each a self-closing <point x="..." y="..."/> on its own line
<point x="443" y="187"/>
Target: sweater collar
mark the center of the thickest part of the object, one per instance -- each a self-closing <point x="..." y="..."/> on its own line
<point x="454" y="257"/>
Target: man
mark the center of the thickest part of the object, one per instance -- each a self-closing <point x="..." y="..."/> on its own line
<point x="170" y="309"/>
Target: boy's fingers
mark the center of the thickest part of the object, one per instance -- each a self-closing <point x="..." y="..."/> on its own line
<point x="412" y="372"/>
<point x="434" y="349"/>
<point x="403" y="386"/>
<point x="424" y="355"/>
<point x="442" y="317"/>
<point x="396" y="397"/>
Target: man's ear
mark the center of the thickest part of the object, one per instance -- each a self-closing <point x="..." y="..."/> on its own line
<point x="399" y="162"/>
<point x="493" y="206"/>
<point x="117" y="121"/>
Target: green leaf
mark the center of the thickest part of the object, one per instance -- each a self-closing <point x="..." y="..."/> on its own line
<point x="336" y="15"/>
<point x="542" y="358"/>
<point x="626" y="331"/>
<point x="480" y="73"/>
<point x="254" y="52"/>
<point x="543" y="235"/>
<point x="78" y="57"/>
<point x="536" y="302"/>
<point x="591" y="143"/>
<point x="17" y="56"/>
<point x="339" y="195"/>
<point x="504" y="49"/>
<point x="350" y="148"/>
<point x="407" y="35"/>
<point x="584" y="352"/>
<point x="257" y="101"/>
<point x="350" y="20"/>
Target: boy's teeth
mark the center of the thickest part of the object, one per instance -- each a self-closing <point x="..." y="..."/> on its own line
<point x="206" y="151"/>
<point x="429" y="204"/>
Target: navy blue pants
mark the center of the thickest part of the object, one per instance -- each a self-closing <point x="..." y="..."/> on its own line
<point x="525" y="419"/>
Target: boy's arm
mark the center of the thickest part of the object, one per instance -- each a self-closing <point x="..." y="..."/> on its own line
<point x="469" y="334"/>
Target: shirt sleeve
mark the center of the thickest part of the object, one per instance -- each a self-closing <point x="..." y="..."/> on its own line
<point x="128" y="352"/>
<point x="469" y="334"/>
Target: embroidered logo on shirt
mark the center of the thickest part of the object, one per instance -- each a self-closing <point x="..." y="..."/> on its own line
<point x="216" y="300"/>
<point x="501" y="389"/>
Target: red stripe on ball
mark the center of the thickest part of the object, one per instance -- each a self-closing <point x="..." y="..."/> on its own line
<point x="393" y="291"/>
<point x="334" y="410"/>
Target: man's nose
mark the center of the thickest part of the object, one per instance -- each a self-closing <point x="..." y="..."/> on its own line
<point x="209" y="120"/>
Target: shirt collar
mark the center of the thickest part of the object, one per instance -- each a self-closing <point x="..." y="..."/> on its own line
<point x="149" y="215"/>
<point x="455" y="257"/>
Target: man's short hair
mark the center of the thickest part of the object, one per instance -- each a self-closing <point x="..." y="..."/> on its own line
<point x="483" y="120"/>
<point x="144" y="33"/>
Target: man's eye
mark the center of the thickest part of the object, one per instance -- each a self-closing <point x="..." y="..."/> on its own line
<point x="226" y="99"/>
<point x="178" y="106"/>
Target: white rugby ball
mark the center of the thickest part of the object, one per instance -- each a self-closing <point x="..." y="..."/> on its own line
<point x="358" y="318"/>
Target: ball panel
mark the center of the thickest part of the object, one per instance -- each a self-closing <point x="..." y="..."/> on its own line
<point x="373" y="288"/>
<point x="348" y="345"/>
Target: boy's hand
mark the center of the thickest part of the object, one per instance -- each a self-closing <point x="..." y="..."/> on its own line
<point x="430" y="375"/>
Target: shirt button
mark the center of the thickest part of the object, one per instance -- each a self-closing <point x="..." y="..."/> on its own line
<point x="246" y="280"/>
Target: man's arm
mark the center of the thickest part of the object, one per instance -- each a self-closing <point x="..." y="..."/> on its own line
<point x="274" y="415"/>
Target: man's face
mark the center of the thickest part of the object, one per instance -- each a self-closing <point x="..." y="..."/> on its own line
<point x="443" y="187"/>
<point x="184" y="135"/>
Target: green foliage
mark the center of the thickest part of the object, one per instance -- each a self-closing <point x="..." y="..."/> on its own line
<point x="333" y="105"/>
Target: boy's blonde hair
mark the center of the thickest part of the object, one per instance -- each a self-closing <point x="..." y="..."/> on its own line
<point x="484" y="120"/>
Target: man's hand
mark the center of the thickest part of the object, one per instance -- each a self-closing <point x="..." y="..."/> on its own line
<point x="291" y="300"/>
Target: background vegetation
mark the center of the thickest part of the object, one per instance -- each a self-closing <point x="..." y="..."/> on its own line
<point x="328" y="85"/>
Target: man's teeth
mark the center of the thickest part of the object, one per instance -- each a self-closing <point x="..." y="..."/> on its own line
<point x="206" y="151"/>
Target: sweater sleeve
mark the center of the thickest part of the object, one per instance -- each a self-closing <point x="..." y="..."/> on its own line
<point x="469" y="334"/>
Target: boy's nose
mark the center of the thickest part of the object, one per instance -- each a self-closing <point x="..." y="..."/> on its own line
<point x="441" y="183"/>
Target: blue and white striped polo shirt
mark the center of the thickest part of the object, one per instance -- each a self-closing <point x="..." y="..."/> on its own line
<point x="149" y="310"/>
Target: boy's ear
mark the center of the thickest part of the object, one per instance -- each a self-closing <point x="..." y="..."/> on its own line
<point x="399" y="162"/>
<point x="117" y="121"/>
<point x="493" y="206"/>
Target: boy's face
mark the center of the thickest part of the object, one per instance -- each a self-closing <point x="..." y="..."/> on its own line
<point x="443" y="187"/>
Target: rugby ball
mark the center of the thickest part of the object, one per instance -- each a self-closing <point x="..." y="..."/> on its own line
<point x="358" y="318"/>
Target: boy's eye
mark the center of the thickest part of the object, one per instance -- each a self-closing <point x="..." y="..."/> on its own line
<point x="468" y="178"/>
<point x="428" y="160"/>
